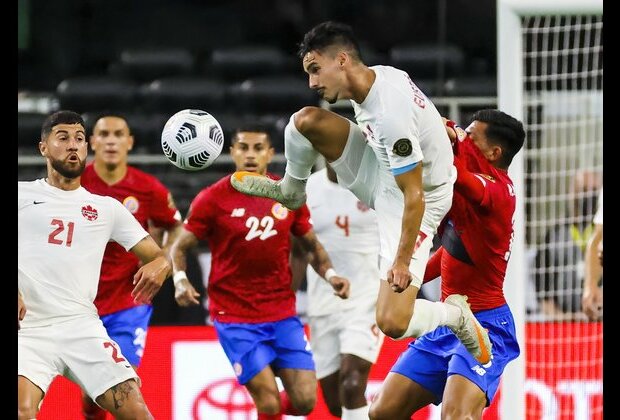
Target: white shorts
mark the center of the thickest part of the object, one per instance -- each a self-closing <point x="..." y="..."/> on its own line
<point x="350" y="332"/>
<point x="79" y="349"/>
<point x="359" y="171"/>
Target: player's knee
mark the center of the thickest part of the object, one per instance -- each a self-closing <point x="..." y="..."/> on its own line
<point x="390" y="325"/>
<point x="352" y="387"/>
<point x="268" y="403"/>
<point x="305" y="404"/>
<point x="451" y="410"/>
<point x="26" y="412"/>
<point x="306" y="118"/>
<point x="378" y="411"/>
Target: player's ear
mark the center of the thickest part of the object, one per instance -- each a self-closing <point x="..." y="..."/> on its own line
<point x="496" y="153"/>
<point x="130" y="140"/>
<point x="43" y="147"/>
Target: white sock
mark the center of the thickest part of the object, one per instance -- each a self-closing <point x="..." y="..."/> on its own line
<point x="355" y="413"/>
<point x="299" y="153"/>
<point x="429" y="315"/>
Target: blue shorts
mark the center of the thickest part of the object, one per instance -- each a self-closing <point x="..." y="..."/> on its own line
<point x="251" y="347"/>
<point x="128" y="329"/>
<point x="432" y="358"/>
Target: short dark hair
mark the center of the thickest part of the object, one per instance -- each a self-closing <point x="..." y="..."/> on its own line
<point x="60" y="117"/>
<point x="329" y="33"/>
<point x="504" y="131"/>
<point x="253" y="127"/>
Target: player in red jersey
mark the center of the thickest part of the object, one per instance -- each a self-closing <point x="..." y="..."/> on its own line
<point x="251" y="300"/>
<point x="472" y="261"/>
<point x="125" y="320"/>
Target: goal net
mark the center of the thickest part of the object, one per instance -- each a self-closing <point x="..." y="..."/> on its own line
<point x="556" y="90"/>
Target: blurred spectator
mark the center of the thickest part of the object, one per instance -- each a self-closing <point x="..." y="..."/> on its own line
<point x="559" y="263"/>
<point x="592" y="299"/>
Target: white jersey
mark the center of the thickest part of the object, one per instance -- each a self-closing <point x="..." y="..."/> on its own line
<point x="62" y="236"/>
<point x="598" y="217"/>
<point x="403" y="127"/>
<point x="347" y="229"/>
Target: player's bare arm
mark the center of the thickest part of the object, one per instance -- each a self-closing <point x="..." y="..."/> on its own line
<point x="410" y="183"/>
<point x="320" y="262"/>
<point x="184" y="292"/>
<point x="298" y="262"/>
<point x="153" y="273"/>
<point x="592" y="298"/>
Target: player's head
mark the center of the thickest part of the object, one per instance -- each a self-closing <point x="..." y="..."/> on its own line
<point x="111" y="140"/>
<point x="328" y="52"/>
<point x="498" y="136"/>
<point x="251" y="148"/>
<point x="63" y="143"/>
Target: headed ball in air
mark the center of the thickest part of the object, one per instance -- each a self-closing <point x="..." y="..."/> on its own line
<point x="192" y="139"/>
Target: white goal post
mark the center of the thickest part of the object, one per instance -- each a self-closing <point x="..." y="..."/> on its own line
<point x="511" y="15"/>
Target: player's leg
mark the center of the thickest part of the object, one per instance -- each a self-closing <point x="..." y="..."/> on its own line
<point x="360" y="343"/>
<point x="399" y="398"/>
<point x="311" y="131"/>
<point x="471" y="385"/>
<point x="325" y="341"/>
<point x="330" y="386"/>
<point x="125" y="401"/>
<point x="416" y="380"/>
<point x="29" y="397"/>
<point x="37" y="366"/>
<point x="295" y="366"/>
<point x="128" y="329"/>
<point x="353" y="379"/>
<point x="462" y="399"/>
<point x="264" y="391"/>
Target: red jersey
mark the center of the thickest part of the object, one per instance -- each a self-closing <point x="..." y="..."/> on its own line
<point x="147" y="199"/>
<point x="249" y="238"/>
<point x="485" y="229"/>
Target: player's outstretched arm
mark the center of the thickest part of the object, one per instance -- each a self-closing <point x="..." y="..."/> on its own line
<point x="322" y="264"/>
<point x="153" y="273"/>
<point x="410" y="183"/>
<point x="184" y="292"/>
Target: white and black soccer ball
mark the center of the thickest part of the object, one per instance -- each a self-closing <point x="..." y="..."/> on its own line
<point x="192" y="139"/>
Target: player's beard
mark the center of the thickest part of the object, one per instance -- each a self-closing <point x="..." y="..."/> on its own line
<point x="68" y="170"/>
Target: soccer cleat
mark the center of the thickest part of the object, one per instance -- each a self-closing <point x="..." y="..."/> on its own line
<point x="474" y="336"/>
<point x="251" y="183"/>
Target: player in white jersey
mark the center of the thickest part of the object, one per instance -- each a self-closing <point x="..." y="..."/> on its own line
<point x="592" y="298"/>
<point x="344" y="336"/>
<point x="62" y="234"/>
<point x="398" y="160"/>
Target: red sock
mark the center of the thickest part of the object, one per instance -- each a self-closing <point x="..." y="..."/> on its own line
<point x="262" y="416"/>
<point x="286" y="406"/>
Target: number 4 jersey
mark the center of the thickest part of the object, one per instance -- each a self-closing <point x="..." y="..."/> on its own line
<point x="249" y="239"/>
<point x="61" y="239"/>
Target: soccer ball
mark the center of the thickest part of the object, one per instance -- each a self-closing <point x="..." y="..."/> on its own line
<point x="192" y="139"/>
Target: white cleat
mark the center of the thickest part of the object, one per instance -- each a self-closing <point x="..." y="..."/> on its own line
<point x="251" y="183"/>
<point x="474" y="336"/>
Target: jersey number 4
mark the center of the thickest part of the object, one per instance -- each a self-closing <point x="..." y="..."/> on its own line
<point x="57" y="237"/>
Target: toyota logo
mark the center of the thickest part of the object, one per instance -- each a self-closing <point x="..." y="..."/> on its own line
<point x="227" y="396"/>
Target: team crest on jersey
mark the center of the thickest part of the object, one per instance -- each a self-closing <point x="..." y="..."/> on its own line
<point x="402" y="148"/>
<point x="460" y="133"/>
<point x="90" y="213"/>
<point x="489" y="177"/>
<point x="238" y="368"/>
<point x="132" y="204"/>
<point x="279" y="211"/>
